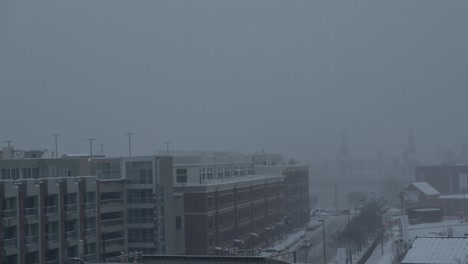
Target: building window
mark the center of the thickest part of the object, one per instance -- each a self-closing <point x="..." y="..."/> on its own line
<point x="211" y="240"/>
<point x="181" y="175"/>
<point x="210" y="221"/>
<point x="140" y="215"/>
<point x="140" y="235"/>
<point x="178" y="222"/>
<point x="462" y="180"/>
<point x="139" y="196"/>
<point x="139" y="172"/>
<point x="210" y="201"/>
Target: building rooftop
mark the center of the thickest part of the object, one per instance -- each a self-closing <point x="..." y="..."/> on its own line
<point x="440" y="250"/>
<point x="426" y="188"/>
<point x="454" y="196"/>
<point x="182" y="259"/>
<point x="236" y="179"/>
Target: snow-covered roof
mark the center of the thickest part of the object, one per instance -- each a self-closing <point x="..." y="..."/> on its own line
<point x="454" y="196"/>
<point x="437" y="250"/>
<point x="425" y="188"/>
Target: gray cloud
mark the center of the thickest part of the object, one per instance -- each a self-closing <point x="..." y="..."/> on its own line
<point x="285" y="76"/>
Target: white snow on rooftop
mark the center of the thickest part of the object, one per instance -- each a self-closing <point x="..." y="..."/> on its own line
<point x="425" y="188"/>
<point x="440" y="250"/>
<point x="454" y="196"/>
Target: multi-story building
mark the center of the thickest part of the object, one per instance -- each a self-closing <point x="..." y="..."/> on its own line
<point x="48" y="220"/>
<point x="447" y="179"/>
<point x="12" y="153"/>
<point x="14" y="169"/>
<point x="136" y="193"/>
<point x="134" y="213"/>
<point x="220" y="203"/>
<point x="296" y="181"/>
<point x="112" y="210"/>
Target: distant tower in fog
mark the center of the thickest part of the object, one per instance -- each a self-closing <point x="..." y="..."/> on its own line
<point x="409" y="154"/>
<point x="343" y="158"/>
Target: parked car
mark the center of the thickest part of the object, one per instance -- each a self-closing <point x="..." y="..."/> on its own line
<point x="305" y="244"/>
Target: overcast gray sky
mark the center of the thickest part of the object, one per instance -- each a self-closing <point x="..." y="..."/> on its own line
<point x="284" y="76"/>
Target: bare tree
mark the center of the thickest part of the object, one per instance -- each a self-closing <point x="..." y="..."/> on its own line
<point x="355" y="198"/>
<point x="302" y="255"/>
<point x="392" y="188"/>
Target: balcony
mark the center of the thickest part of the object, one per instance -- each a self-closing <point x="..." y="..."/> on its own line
<point x="9" y="213"/>
<point x="30" y="211"/>
<point x="72" y="260"/>
<point x="51" y="209"/>
<point x="10" y="242"/>
<point x="90" y="257"/>
<point x="115" y="241"/>
<point x="51" y="237"/>
<point x="32" y="239"/>
<point x="112" y="202"/>
<point x="113" y="221"/>
<point x="71" y="235"/>
<point x="70" y="208"/>
<point x="89" y="206"/>
<point x="90" y="232"/>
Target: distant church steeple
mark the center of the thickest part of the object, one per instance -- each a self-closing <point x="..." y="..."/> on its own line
<point x="343" y="158"/>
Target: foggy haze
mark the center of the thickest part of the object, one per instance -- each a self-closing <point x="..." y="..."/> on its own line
<point x="283" y="76"/>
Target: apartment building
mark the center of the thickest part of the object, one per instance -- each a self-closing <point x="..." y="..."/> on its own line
<point x="136" y="193"/>
<point x="220" y="203"/>
<point x="13" y="169"/>
<point x="135" y="201"/>
<point x="296" y="181"/>
<point x="48" y="220"/>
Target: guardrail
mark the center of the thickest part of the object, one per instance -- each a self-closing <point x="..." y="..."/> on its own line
<point x="10" y="242"/>
<point x="71" y="235"/>
<point x="30" y="211"/>
<point x="70" y="207"/>
<point x="51" y="237"/>
<point x="9" y="213"/>
<point x="32" y="239"/>
<point x="51" y="209"/>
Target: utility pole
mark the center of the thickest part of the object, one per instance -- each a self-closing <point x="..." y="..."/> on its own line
<point x="129" y="134"/>
<point x="102" y="149"/>
<point x="324" y="241"/>
<point x="336" y="200"/>
<point x="56" y="152"/>
<point x="463" y="204"/>
<point x="91" y="145"/>
<point x="167" y="146"/>
<point x="402" y="194"/>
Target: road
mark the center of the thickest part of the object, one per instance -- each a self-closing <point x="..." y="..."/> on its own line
<point x="314" y="254"/>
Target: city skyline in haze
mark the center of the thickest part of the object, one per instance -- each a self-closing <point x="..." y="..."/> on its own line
<point x="243" y="76"/>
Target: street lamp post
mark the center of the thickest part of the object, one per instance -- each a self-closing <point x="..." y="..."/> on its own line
<point x="324" y="242"/>
<point x="350" y="254"/>
<point x="56" y="151"/>
<point x="91" y="145"/>
<point x="129" y="134"/>
<point x="167" y="147"/>
<point x="463" y="204"/>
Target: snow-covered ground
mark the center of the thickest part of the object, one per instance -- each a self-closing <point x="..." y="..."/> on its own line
<point x="289" y="240"/>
